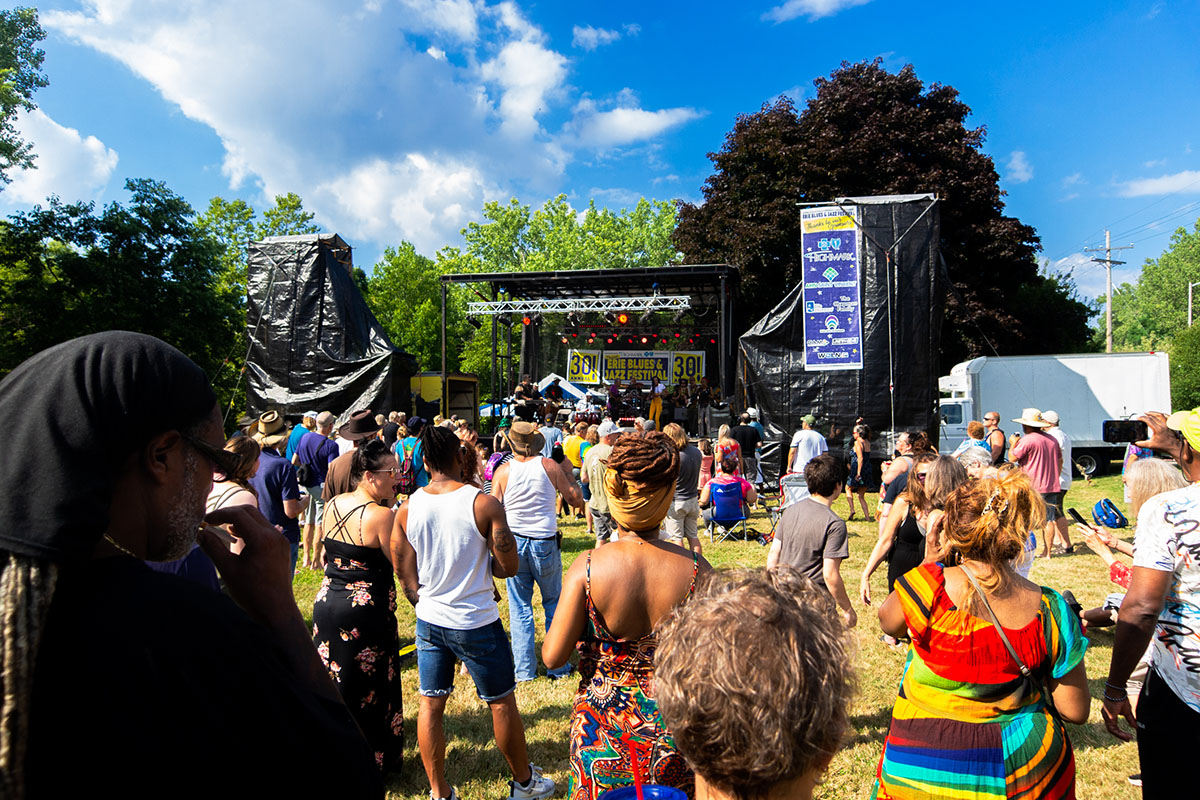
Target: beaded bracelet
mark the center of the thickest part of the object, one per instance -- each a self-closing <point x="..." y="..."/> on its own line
<point x="1123" y="692"/>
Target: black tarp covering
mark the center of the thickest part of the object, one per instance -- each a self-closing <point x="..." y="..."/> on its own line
<point x="772" y="352"/>
<point x="317" y="346"/>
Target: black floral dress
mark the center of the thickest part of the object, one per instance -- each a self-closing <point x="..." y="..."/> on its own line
<point x="354" y="629"/>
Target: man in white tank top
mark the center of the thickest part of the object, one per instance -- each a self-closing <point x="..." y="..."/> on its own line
<point x="449" y="540"/>
<point x="527" y="486"/>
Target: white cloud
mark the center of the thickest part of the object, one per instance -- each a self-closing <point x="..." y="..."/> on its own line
<point x="1074" y="179"/>
<point x="600" y="130"/>
<point x="527" y="73"/>
<point x="1161" y="162"/>
<point x="422" y="111"/>
<point x="665" y="179"/>
<point x="1019" y="168"/>
<point x="416" y="197"/>
<point x="632" y="28"/>
<point x="590" y="38"/>
<point x="1177" y="183"/>
<point x="68" y="164"/>
<point x="454" y="18"/>
<point x="813" y="9"/>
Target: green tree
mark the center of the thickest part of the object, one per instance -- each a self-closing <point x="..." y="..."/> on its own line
<point x="230" y="223"/>
<point x="20" y="76"/>
<point x="143" y="266"/>
<point x="871" y="132"/>
<point x="1185" y="368"/>
<point x="1151" y="313"/>
<point x="286" y="218"/>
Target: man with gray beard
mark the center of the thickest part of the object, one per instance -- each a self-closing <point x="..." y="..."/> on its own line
<point x="151" y="683"/>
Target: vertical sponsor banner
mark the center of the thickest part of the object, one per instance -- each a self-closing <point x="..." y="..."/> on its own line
<point x="583" y="366"/>
<point x="832" y="308"/>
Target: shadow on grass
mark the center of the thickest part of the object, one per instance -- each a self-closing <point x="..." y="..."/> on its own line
<point x="870" y="728"/>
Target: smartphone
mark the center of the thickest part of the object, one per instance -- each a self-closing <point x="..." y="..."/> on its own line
<point x="1075" y="515"/>
<point x="1117" y="431"/>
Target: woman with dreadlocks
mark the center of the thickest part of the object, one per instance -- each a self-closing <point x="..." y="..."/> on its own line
<point x="611" y="600"/>
<point x="117" y="679"/>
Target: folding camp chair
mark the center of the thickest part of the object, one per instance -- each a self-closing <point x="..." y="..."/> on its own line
<point x="792" y="489"/>
<point x="728" y="509"/>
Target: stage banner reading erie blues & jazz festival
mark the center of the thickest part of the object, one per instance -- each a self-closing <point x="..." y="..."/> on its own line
<point x="832" y="304"/>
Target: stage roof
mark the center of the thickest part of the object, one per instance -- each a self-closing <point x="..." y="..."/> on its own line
<point x="701" y="281"/>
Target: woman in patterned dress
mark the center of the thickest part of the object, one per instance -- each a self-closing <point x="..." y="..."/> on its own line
<point x="354" y="616"/>
<point x="966" y="723"/>
<point x="611" y="600"/>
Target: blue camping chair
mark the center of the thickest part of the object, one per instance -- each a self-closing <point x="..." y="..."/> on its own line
<point x="728" y="509"/>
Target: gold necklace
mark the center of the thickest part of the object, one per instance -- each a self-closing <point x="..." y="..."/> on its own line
<point x="117" y="545"/>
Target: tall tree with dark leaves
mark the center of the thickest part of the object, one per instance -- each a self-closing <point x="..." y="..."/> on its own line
<point x="871" y="132"/>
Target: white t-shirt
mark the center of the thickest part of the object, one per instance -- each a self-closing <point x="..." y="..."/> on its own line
<point x="809" y="444"/>
<point x="1064" y="441"/>
<point x="1168" y="539"/>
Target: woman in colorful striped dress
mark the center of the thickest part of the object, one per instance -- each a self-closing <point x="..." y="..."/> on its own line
<point x="966" y="723"/>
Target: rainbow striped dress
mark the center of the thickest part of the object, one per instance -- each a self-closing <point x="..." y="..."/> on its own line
<point x="964" y="725"/>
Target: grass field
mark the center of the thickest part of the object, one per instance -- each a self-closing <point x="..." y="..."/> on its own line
<point x="477" y="770"/>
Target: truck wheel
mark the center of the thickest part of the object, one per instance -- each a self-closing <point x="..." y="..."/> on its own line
<point x="1087" y="463"/>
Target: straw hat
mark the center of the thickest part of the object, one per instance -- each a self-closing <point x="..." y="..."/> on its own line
<point x="526" y="439"/>
<point x="1033" y="418"/>
<point x="270" y="429"/>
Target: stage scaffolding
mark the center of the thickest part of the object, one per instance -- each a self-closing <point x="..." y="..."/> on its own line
<point x="707" y="292"/>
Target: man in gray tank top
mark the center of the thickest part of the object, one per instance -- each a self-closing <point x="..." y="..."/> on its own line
<point x="527" y="486"/>
<point x="448" y="541"/>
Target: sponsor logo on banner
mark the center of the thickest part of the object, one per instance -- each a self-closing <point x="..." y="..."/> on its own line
<point x="832" y="303"/>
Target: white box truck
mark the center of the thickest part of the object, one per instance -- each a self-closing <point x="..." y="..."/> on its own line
<point x="1085" y="390"/>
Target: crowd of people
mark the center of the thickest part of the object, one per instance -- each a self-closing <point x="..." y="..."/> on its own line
<point x="146" y="595"/>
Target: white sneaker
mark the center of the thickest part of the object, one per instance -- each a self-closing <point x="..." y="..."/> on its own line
<point x="453" y="795"/>
<point x="539" y="786"/>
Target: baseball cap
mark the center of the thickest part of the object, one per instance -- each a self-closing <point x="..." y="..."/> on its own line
<point x="1187" y="423"/>
<point x="809" y="418"/>
<point x="1051" y="417"/>
<point x="753" y="412"/>
<point x="607" y="428"/>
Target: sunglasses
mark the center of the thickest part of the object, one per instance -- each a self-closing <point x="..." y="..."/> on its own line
<point x="390" y="471"/>
<point x="221" y="459"/>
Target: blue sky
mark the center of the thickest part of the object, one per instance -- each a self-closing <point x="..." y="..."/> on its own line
<point x="398" y="119"/>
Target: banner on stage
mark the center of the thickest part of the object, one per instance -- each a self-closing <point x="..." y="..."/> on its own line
<point x="583" y="366"/>
<point x="832" y="302"/>
<point x="587" y="367"/>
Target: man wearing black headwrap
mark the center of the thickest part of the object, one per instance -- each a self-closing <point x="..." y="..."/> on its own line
<point x="116" y="677"/>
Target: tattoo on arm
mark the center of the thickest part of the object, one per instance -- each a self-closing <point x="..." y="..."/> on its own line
<point x="503" y="538"/>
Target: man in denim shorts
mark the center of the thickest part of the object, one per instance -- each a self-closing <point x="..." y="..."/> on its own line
<point x="448" y="541"/>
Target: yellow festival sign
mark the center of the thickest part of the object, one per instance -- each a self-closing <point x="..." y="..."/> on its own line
<point x="587" y="367"/>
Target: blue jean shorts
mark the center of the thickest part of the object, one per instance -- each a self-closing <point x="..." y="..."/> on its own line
<point x="484" y="650"/>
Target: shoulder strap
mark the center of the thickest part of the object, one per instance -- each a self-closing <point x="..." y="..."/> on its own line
<point x="341" y="519"/>
<point x="695" y="570"/>
<point x="996" y="622"/>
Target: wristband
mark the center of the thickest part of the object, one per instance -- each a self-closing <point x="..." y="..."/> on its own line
<point x="1114" y="699"/>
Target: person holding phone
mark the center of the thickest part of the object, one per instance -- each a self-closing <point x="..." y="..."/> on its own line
<point x="1163" y="606"/>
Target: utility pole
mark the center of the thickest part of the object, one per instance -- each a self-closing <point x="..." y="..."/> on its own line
<point x="1108" y="262"/>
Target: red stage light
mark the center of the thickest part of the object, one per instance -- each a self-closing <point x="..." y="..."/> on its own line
<point x="622" y="318"/>
<point x="631" y="341"/>
<point x="525" y="320"/>
<point x="712" y="341"/>
<point x="610" y="340"/>
<point x="677" y="334"/>
<point x="574" y="334"/>
<point x="591" y="340"/>
<point x="564" y="340"/>
<point x="664" y="341"/>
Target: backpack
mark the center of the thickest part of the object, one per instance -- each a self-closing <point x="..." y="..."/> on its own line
<point x="407" y="478"/>
<point x="493" y="464"/>
<point x="1106" y="514"/>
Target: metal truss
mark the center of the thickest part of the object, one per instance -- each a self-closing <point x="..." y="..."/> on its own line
<point x="601" y="304"/>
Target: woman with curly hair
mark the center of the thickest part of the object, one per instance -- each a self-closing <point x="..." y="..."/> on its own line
<point x="996" y="663"/>
<point x="611" y="600"/>
<point x="769" y="726"/>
